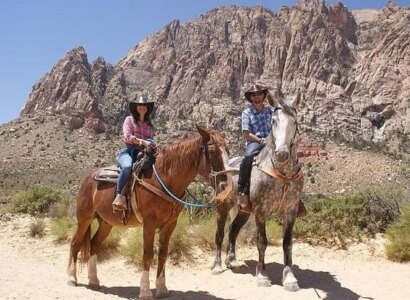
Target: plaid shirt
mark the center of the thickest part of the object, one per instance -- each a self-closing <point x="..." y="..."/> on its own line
<point x="132" y="131"/>
<point x="257" y="123"/>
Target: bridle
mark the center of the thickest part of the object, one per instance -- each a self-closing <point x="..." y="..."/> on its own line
<point x="205" y="149"/>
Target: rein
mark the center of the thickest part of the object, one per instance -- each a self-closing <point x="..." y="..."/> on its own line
<point x="167" y="195"/>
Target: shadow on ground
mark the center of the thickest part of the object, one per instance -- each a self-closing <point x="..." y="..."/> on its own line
<point x="307" y="279"/>
<point x="132" y="292"/>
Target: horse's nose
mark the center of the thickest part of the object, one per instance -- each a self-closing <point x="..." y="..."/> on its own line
<point x="282" y="155"/>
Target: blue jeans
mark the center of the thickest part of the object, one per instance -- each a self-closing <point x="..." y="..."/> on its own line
<point x="126" y="158"/>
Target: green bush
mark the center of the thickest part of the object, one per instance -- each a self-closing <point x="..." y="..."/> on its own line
<point x="62" y="228"/>
<point x="199" y="192"/>
<point x="38" y="200"/>
<point x="180" y="246"/>
<point x="133" y="245"/>
<point x="399" y="236"/>
<point x="339" y="221"/>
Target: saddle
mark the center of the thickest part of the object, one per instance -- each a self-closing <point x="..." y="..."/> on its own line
<point x="144" y="161"/>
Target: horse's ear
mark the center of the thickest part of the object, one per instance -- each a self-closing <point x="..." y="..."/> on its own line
<point x="271" y="100"/>
<point x="203" y="133"/>
<point x="296" y="99"/>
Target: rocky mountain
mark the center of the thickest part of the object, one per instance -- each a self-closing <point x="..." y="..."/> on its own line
<point x="352" y="69"/>
<point x="354" y="74"/>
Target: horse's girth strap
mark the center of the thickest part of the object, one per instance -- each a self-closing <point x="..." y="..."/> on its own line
<point x="271" y="171"/>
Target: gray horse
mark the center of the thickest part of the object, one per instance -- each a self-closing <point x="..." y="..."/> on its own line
<point x="276" y="187"/>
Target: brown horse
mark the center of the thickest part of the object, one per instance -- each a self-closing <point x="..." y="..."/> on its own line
<point x="177" y="165"/>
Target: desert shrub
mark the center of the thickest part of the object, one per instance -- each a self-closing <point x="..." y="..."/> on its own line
<point x="37" y="228"/>
<point x="180" y="246"/>
<point x="199" y="192"/>
<point x="398" y="234"/>
<point x="203" y="233"/>
<point x="133" y="245"/>
<point x="247" y="235"/>
<point x="38" y="200"/>
<point x="62" y="228"/>
<point x="338" y="221"/>
<point x="111" y="244"/>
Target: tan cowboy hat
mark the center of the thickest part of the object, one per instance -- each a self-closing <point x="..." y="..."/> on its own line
<point x="255" y="88"/>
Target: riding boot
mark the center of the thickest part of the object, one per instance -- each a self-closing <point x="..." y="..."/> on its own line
<point x="302" y="211"/>
<point x="120" y="203"/>
<point x="243" y="184"/>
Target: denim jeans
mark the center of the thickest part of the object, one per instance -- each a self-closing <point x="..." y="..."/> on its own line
<point x="126" y="158"/>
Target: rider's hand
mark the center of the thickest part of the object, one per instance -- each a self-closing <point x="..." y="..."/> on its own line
<point x="262" y="141"/>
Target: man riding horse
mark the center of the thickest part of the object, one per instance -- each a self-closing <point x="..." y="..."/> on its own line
<point x="256" y="126"/>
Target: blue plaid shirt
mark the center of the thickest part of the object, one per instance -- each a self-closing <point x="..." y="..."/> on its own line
<point x="257" y="123"/>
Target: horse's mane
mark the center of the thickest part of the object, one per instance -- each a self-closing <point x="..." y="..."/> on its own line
<point x="181" y="153"/>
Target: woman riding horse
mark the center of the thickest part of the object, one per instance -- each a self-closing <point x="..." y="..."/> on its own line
<point x="177" y="165"/>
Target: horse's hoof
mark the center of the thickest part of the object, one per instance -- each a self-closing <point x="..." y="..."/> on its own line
<point x="72" y="281"/>
<point x="146" y="296"/>
<point x="217" y="270"/>
<point x="233" y="264"/>
<point x="262" y="280"/>
<point x="290" y="283"/>
<point x="162" y="293"/>
<point x="94" y="286"/>
<point x="291" y="287"/>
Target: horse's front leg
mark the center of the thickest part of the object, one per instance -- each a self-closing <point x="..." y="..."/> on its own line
<point x="221" y="216"/>
<point x="236" y="225"/>
<point x="289" y="280"/>
<point x="149" y="234"/>
<point x="164" y="237"/>
<point x="262" y="242"/>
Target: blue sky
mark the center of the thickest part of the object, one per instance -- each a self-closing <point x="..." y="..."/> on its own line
<point x="35" y="34"/>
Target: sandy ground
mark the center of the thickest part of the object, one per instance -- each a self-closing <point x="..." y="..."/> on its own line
<point x="35" y="269"/>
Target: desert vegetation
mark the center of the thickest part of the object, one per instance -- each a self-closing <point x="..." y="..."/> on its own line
<point x="334" y="222"/>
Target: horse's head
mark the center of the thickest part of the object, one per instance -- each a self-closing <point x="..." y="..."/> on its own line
<point x="284" y="128"/>
<point x="214" y="152"/>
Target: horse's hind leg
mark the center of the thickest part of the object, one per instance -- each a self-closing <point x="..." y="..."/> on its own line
<point x="221" y="216"/>
<point x="103" y="231"/>
<point x="164" y="237"/>
<point x="234" y="228"/>
<point x="289" y="280"/>
<point x="79" y="241"/>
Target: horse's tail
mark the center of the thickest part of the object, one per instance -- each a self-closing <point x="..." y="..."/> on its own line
<point x="85" y="247"/>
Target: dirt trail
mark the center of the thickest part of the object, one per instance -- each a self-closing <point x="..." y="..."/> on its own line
<point x="35" y="269"/>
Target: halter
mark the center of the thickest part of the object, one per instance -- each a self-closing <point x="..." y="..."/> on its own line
<point x="205" y="151"/>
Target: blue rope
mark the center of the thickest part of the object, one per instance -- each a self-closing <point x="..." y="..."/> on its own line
<point x="196" y="204"/>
